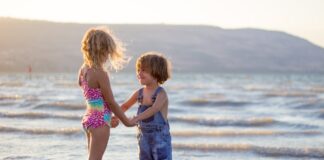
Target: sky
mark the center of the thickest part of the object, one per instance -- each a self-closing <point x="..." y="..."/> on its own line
<point x="302" y="18"/>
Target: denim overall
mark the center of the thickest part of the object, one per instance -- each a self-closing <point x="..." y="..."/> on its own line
<point x="154" y="137"/>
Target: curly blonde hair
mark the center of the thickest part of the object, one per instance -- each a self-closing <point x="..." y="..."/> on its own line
<point x="156" y="64"/>
<point x="99" y="45"/>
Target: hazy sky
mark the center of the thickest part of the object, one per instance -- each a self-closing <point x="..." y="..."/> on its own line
<point x="304" y="18"/>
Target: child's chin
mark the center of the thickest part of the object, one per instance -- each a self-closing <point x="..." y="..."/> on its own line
<point x="142" y="83"/>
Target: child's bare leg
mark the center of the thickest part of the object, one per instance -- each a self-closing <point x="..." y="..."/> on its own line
<point x="98" y="142"/>
<point x="88" y="141"/>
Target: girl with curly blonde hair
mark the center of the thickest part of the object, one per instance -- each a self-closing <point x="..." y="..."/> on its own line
<point x="99" y="46"/>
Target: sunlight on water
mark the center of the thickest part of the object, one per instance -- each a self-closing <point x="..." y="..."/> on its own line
<point x="228" y="116"/>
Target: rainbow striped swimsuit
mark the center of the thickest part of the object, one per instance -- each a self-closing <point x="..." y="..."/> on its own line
<point x="97" y="112"/>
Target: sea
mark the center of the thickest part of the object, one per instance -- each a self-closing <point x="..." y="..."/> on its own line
<point x="212" y="116"/>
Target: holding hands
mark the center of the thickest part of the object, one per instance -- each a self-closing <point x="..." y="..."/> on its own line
<point x="115" y="121"/>
<point x="134" y="120"/>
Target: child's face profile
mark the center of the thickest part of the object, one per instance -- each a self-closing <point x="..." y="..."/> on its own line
<point x="144" y="77"/>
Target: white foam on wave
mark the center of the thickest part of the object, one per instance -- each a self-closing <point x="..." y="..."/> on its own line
<point x="41" y="131"/>
<point x="233" y="133"/>
<point x="36" y="115"/>
<point x="225" y="121"/>
<point x="260" y="150"/>
<point x="213" y="102"/>
<point x="289" y="93"/>
<point x="10" y="97"/>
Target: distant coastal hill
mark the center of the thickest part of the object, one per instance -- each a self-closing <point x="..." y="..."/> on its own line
<point x="55" y="47"/>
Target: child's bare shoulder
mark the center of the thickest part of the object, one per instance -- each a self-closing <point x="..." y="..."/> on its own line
<point x="163" y="93"/>
<point x="100" y="74"/>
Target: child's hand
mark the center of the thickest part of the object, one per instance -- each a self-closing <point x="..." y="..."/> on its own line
<point x="134" y="121"/>
<point x="114" y="122"/>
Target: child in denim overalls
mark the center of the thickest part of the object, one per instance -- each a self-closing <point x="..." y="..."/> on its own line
<point x="154" y="137"/>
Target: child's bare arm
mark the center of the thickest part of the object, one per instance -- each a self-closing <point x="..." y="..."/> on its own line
<point x="130" y="102"/>
<point x="161" y="101"/>
<point x="106" y="91"/>
<point x="114" y="122"/>
<point x="79" y="76"/>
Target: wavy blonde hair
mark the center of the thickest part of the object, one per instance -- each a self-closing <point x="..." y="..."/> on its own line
<point x="99" y="45"/>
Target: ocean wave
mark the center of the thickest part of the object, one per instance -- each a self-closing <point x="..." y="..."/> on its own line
<point x="311" y="104"/>
<point x="118" y="83"/>
<point x="317" y="89"/>
<point x="176" y="110"/>
<point x="216" y="96"/>
<point x="193" y="86"/>
<point x="242" y="133"/>
<point x="321" y="114"/>
<point x="256" y="88"/>
<point x="225" y="122"/>
<point x="285" y="93"/>
<point x="18" y="157"/>
<point x="260" y="150"/>
<point x="212" y="147"/>
<point x="178" y="87"/>
<point x="11" y="84"/>
<point x="289" y="152"/>
<point x="41" y="131"/>
<point x="207" y="102"/>
<point x="60" y="105"/>
<point x="34" y="115"/>
<point x="66" y="84"/>
<point x="4" y="104"/>
<point x="10" y="97"/>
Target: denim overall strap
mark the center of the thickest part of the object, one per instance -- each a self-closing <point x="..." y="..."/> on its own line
<point x="157" y="118"/>
<point x="156" y="93"/>
<point x="140" y="96"/>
